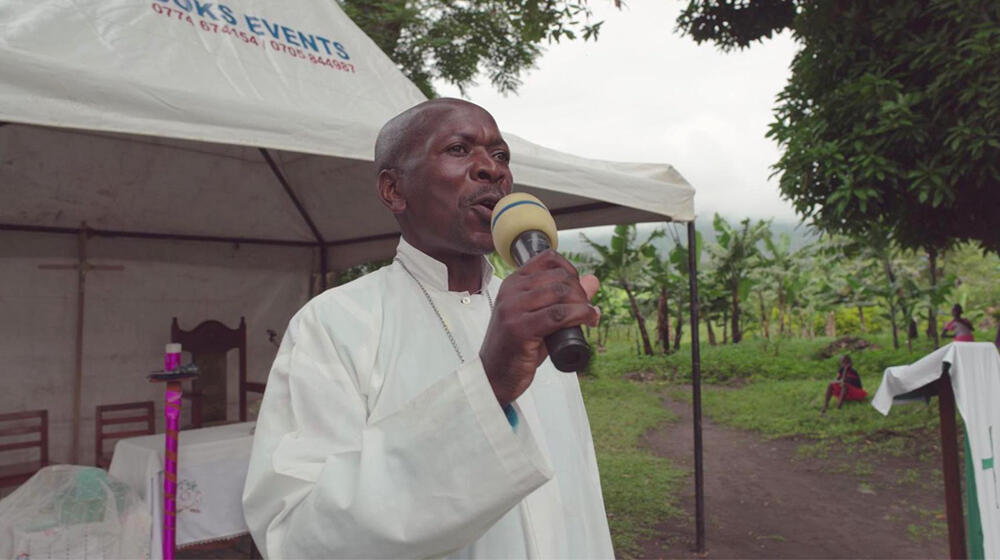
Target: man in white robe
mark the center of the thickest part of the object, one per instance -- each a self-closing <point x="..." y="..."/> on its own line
<point x="413" y="412"/>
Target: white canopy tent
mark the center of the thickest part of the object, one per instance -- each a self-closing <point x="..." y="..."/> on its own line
<point x="219" y="156"/>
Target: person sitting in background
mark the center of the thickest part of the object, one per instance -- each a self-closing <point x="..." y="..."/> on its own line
<point x="847" y="386"/>
<point x="962" y="326"/>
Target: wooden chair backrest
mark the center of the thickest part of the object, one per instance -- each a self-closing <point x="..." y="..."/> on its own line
<point x="125" y="420"/>
<point x="213" y="337"/>
<point x="14" y="428"/>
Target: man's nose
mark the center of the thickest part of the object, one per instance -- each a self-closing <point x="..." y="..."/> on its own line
<point x="487" y="168"/>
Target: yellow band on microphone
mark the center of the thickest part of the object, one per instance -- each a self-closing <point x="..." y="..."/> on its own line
<point x="515" y="214"/>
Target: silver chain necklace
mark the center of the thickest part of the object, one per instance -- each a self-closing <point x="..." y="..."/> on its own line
<point x="444" y="325"/>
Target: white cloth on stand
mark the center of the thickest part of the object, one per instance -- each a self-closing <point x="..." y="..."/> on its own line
<point x="374" y="441"/>
<point x="211" y="470"/>
<point x="975" y="380"/>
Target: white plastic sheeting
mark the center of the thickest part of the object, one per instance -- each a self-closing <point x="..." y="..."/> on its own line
<point x="73" y="512"/>
<point x="149" y="117"/>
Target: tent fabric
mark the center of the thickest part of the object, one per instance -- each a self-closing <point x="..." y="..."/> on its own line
<point x="127" y="319"/>
<point x="185" y="93"/>
<point x="153" y="122"/>
<point x="975" y="379"/>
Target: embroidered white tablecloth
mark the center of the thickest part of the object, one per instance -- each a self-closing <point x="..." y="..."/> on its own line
<point x="212" y="467"/>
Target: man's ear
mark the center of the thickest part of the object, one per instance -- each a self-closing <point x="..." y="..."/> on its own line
<point x="389" y="192"/>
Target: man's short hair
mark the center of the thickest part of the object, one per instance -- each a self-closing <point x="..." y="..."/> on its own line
<point x="394" y="141"/>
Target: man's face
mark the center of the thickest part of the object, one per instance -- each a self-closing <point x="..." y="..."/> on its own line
<point x="454" y="175"/>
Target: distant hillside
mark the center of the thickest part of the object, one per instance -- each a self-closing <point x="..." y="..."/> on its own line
<point x="570" y="241"/>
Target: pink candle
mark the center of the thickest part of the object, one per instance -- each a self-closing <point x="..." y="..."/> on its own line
<point x="172" y="357"/>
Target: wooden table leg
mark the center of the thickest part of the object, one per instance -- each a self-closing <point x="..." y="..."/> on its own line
<point x="949" y="467"/>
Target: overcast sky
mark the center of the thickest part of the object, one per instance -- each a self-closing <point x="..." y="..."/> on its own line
<point x="643" y="93"/>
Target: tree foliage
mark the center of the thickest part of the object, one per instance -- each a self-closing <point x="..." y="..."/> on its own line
<point x="735" y="23"/>
<point x="736" y="253"/>
<point x="455" y="41"/>
<point x="626" y="263"/>
<point x="887" y="120"/>
<point x="783" y="269"/>
<point x="781" y="286"/>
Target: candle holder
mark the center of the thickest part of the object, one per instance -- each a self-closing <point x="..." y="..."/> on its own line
<point x="172" y="374"/>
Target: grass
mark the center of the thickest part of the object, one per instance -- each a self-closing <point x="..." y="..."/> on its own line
<point x="639" y="487"/>
<point x="780" y="408"/>
<point x="773" y="388"/>
<point x="758" y="359"/>
<point x="787" y="379"/>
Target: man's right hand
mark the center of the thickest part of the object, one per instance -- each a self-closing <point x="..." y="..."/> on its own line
<point x="541" y="297"/>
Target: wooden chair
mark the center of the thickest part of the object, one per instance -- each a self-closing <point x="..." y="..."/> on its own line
<point x="14" y="429"/>
<point x="126" y="420"/>
<point x="208" y="343"/>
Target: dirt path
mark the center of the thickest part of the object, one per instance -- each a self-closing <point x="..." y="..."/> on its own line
<point x="762" y="501"/>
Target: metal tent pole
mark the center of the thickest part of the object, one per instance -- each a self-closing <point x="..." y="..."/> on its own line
<point x="699" y="491"/>
<point x="320" y="243"/>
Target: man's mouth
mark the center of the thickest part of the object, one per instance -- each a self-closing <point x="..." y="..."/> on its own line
<point x="484" y="206"/>
<point x="489" y="203"/>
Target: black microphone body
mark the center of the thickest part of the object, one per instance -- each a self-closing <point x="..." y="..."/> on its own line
<point x="567" y="347"/>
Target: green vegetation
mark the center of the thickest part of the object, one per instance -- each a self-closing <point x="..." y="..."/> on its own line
<point x="754" y="286"/>
<point x="777" y="389"/>
<point x="880" y="123"/>
<point x="773" y="388"/>
<point x="459" y="41"/>
<point x="777" y="408"/>
<point x="639" y="488"/>
<point x="757" y="360"/>
<point x="883" y="152"/>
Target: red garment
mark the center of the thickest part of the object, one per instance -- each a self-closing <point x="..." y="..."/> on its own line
<point x="850" y="376"/>
<point x="954" y="325"/>
<point x="853" y="393"/>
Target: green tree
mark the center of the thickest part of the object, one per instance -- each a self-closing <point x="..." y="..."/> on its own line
<point x="713" y="302"/>
<point x="783" y="270"/>
<point x="889" y="276"/>
<point x="678" y="257"/>
<point x="735" y="23"/>
<point x="884" y="122"/>
<point x="610" y="299"/>
<point x="667" y="282"/>
<point x="975" y="279"/>
<point x="625" y="263"/>
<point x="456" y="41"/>
<point x="858" y="291"/>
<point x="736" y="254"/>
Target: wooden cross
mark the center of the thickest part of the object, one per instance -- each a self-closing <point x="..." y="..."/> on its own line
<point x="82" y="267"/>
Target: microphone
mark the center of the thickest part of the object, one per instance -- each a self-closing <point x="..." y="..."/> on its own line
<point x="522" y="228"/>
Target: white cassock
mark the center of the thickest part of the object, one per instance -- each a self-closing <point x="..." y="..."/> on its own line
<point x="374" y="440"/>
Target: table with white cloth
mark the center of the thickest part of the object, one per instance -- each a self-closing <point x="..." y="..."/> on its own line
<point x="212" y="465"/>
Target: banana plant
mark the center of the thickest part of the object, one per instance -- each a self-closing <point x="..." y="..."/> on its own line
<point x="626" y="263"/>
<point x="736" y="253"/>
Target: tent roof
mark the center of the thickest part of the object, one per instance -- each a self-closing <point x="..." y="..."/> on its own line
<point x="247" y="120"/>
